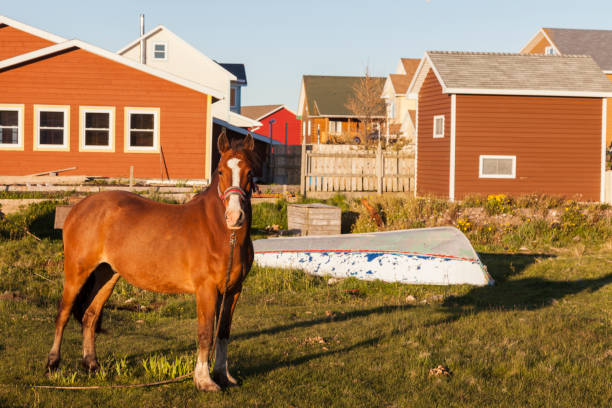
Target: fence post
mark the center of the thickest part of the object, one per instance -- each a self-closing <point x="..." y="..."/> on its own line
<point x="379" y="170"/>
<point x="303" y="168"/>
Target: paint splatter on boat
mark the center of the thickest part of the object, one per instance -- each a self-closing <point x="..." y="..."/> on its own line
<point x="436" y="256"/>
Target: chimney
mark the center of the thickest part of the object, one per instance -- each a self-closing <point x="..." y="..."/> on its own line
<point x="143" y="51"/>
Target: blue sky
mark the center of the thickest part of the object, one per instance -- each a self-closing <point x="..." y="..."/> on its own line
<point x="279" y="41"/>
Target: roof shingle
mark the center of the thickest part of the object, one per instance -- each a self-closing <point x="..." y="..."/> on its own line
<point x="596" y="43"/>
<point x="519" y="72"/>
<point x="328" y="95"/>
<point x="257" y="111"/>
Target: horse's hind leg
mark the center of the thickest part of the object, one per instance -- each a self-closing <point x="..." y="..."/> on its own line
<point x="73" y="281"/>
<point x="221" y="373"/>
<point x="92" y="314"/>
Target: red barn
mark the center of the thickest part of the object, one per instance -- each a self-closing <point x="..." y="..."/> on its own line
<point x="510" y="123"/>
<point x="279" y="119"/>
<point x="72" y="104"/>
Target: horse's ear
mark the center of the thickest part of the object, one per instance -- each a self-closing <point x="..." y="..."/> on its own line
<point x="222" y="142"/>
<point x="249" y="142"/>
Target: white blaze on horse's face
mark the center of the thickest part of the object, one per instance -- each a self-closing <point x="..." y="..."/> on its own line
<point x="234" y="215"/>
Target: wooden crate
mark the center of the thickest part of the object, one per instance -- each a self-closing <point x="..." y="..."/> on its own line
<point x="61" y="212"/>
<point x="314" y="219"/>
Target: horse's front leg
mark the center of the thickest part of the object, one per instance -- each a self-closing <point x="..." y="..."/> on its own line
<point x="221" y="374"/>
<point x="206" y="301"/>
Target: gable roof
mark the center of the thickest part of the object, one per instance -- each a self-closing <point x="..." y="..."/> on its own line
<point x="257" y="112"/>
<point x="596" y="43"/>
<point x="514" y="74"/>
<point x="400" y="82"/>
<point x="7" y="63"/>
<point x="164" y="28"/>
<point x="328" y="95"/>
<point x="31" y="30"/>
<point x="410" y="65"/>
<point x="237" y="70"/>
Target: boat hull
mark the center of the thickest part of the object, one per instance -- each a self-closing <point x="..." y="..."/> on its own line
<point x="436" y="256"/>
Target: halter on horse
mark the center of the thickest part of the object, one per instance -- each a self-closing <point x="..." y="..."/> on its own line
<point x="164" y="248"/>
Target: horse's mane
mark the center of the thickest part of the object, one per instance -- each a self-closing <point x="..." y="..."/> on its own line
<point x="251" y="155"/>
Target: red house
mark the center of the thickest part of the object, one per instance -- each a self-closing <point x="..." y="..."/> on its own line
<point x="278" y="119"/>
<point x="70" y="104"/>
<point x="510" y="123"/>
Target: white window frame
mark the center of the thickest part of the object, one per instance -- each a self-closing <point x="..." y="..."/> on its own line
<point x="165" y="44"/>
<point x="335" y="127"/>
<point x="83" y="111"/>
<point x="496" y="176"/>
<point x="437" y="135"/>
<point x="19" y="109"/>
<point x="549" y="50"/>
<point x="65" y="109"/>
<point x="156" y="133"/>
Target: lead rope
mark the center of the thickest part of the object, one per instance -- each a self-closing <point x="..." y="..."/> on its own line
<point x="232" y="245"/>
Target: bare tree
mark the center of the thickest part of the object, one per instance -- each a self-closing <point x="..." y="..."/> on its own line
<point x="366" y="102"/>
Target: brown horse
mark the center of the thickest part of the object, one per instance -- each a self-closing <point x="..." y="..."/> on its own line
<point x="164" y="248"/>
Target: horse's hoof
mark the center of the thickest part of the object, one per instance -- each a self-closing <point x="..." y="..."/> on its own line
<point x="225" y="380"/>
<point x="90" y="364"/>
<point x="209" y="386"/>
<point x="52" y="364"/>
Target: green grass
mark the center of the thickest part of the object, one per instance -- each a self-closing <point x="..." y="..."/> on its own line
<point x="540" y="337"/>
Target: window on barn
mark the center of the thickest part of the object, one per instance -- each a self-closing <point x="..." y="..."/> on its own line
<point x="335" y="127"/>
<point x="438" y="128"/>
<point x="160" y="51"/>
<point x="51" y="124"/>
<point x="142" y="128"/>
<point x="497" y="167"/>
<point x="97" y="129"/>
<point x="11" y="127"/>
<point x="549" y="50"/>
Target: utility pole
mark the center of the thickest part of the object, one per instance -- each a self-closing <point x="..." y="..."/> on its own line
<point x="270" y="176"/>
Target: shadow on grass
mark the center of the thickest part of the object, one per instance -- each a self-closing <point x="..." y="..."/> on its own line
<point x="263" y="367"/>
<point x="528" y="293"/>
<point x="314" y="322"/>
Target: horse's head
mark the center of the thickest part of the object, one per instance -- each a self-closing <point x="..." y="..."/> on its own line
<point x="235" y="174"/>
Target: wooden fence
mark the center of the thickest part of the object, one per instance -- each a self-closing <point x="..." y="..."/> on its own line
<point x="341" y="168"/>
<point x="284" y="165"/>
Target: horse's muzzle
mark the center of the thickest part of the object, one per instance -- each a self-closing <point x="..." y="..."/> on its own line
<point x="234" y="219"/>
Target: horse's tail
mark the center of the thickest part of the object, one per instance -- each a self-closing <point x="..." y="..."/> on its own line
<point x="88" y="292"/>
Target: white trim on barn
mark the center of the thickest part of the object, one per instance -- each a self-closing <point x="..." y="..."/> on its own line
<point x="550" y="41"/>
<point x="481" y="159"/>
<point x="604" y="114"/>
<point x="113" y="57"/>
<point x="451" y="176"/>
<point x="31" y="30"/>
<point x="528" y="92"/>
<point x="245" y="132"/>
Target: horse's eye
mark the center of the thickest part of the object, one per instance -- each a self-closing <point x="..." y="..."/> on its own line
<point x="220" y="173"/>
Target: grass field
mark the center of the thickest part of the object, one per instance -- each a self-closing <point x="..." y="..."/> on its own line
<point x="542" y="336"/>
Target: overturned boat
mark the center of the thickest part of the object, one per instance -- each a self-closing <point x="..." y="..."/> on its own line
<point x="436" y="256"/>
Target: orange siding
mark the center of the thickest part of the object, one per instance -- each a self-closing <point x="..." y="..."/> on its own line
<point x="15" y="42"/>
<point x="79" y="78"/>
<point x="609" y="118"/>
<point x="556" y="141"/>
<point x="433" y="161"/>
<point x="539" y="47"/>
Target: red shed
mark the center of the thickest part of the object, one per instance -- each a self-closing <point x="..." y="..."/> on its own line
<point x="510" y="123"/>
<point x="285" y="125"/>
<point x="72" y="104"/>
